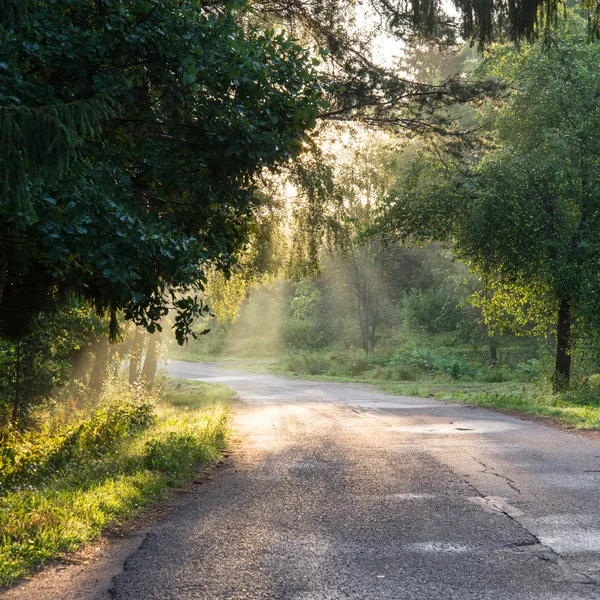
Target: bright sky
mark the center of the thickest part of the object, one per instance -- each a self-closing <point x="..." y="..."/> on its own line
<point x="386" y="48"/>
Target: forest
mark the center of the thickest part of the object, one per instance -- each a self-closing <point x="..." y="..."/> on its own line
<point x="401" y="193"/>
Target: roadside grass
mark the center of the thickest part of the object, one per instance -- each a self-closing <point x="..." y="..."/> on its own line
<point x="578" y="408"/>
<point x="62" y="488"/>
<point x="435" y="364"/>
<point x="189" y="394"/>
<point x="452" y="375"/>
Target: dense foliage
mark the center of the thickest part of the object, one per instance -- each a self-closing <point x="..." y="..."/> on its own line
<point x="524" y="211"/>
<point x="132" y="134"/>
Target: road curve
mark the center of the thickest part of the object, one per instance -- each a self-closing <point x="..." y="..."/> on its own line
<point x="336" y="491"/>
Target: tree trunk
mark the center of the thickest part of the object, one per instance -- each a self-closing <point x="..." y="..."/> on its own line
<point x="79" y="371"/>
<point x="136" y="355"/>
<point x="100" y="368"/>
<point x="374" y="311"/>
<point x="151" y="360"/>
<point x="493" y="352"/>
<point x="79" y="365"/>
<point x="361" y="305"/>
<point x="562" y="369"/>
<point x="365" y="324"/>
<point x="367" y="310"/>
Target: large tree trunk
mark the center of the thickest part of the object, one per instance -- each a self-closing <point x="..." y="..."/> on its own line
<point x="365" y="318"/>
<point x="151" y="360"/>
<point x="135" y="361"/>
<point x="100" y="368"/>
<point x="367" y="312"/>
<point x="562" y="369"/>
<point x="374" y="311"/>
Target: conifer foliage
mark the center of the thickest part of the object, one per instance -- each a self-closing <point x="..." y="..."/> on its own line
<point x="132" y="133"/>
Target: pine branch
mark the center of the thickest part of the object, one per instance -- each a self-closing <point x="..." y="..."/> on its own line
<point x="39" y="142"/>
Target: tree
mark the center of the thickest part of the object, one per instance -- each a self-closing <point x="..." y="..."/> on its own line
<point x="133" y="133"/>
<point x="151" y="360"/>
<point x="135" y="361"/>
<point x="52" y="354"/>
<point x="485" y="21"/>
<point x="360" y="88"/>
<point x="524" y="212"/>
<point x="362" y="179"/>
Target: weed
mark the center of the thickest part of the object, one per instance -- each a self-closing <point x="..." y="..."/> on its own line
<point x="124" y="457"/>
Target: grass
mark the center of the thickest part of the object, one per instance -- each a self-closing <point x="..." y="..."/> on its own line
<point x="452" y="376"/>
<point x="434" y="365"/>
<point x="44" y="517"/>
<point x="578" y="408"/>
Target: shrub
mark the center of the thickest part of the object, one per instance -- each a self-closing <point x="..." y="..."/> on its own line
<point x="434" y="310"/>
<point x="494" y="375"/>
<point x="357" y="367"/>
<point x="305" y="362"/>
<point x="528" y="370"/>
<point x="305" y="334"/>
<point x="29" y="457"/>
<point x="439" y="360"/>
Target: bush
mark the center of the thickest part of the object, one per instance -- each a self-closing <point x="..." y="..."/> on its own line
<point x="434" y="310"/>
<point x="439" y="360"/>
<point x="29" y="457"/>
<point x="528" y="370"/>
<point x="495" y="375"/>
<point x="397" y="373"/>
<point x="143" y="459"/>
<point x="304" y="334"/>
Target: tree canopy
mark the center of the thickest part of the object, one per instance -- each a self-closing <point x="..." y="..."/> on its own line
<point x="133" y="133"/>
<point x="524" y="212"/>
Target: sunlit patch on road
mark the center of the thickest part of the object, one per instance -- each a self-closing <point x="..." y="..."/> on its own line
<point x="412" y="496"/>
<point x="443" y="547"/>
<point x="457" y="428"/>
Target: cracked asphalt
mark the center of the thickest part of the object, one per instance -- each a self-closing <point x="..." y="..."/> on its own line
<point x="337" y="491"/>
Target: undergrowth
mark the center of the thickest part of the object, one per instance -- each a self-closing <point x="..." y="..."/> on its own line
<point x="406" y="363"/>
<point x="63" y="484"/>
<point x="451" y="374"/>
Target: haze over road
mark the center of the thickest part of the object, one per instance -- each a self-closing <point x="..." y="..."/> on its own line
<point x="336" y="491"/>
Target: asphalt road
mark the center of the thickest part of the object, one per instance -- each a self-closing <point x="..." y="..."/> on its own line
<point x="336" y="491"/>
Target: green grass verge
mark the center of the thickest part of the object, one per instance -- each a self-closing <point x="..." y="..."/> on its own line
<point x="45" y="518"/>
<point x="579" y="408"/>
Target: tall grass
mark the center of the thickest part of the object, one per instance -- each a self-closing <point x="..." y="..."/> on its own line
<point x="451" y="374"/>
<point x="61" y="488"/>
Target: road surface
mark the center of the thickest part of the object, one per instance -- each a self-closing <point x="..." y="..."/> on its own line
<point x="337" y="491"/>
